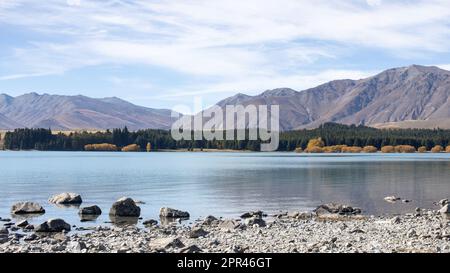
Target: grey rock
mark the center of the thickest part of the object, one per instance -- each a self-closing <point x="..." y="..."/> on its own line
<point x="27" y="208"/>
<point x="251" y="214"/>
<point x="445" y="209"/>
<point x="23" y="223"/>
<point x="164" y="243"/>
<point x="396" y="220"/>
<point x="76" y="246"/>
<point x="66" y="198"/>
<point x="392" y="199"/>
<point x="333" y="208"/>
<point x="150" y="222"/>
<point x="229" y="225"/>
<point x="210" y="220"/>
<point x="125" y="207"/>
<point x="31" y="237"/>
<point x="443" y="202"/>
<point x="197" y="232"/>
<point x="53" y="225"/>
<point x="255" y="221"/>
<point x="4" y="231"/>
<point x="90" y="210"/>
<point x="191" y="249"/>
<point x="173" y="213"/>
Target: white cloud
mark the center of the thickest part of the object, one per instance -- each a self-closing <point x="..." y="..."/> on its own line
<point x="233" y="45"/>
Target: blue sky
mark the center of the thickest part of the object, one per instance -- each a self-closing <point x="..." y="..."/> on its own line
<point x="165" y="53"/>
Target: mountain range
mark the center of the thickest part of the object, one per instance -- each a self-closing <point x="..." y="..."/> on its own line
<point x="413" y="96"/>
<point x="78" y="112"/>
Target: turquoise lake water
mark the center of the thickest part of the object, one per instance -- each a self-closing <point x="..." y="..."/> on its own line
<point x="221" y="184"/>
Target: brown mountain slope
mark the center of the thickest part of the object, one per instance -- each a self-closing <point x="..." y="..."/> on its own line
<point x="401" y="94"/>
<point x="79" y="112"/>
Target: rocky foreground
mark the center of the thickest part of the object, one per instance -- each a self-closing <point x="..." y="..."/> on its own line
<point x="320" y="231"/>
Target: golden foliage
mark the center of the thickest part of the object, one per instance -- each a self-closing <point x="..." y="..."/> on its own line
<point x="437" y="149"/>
<point x="100" y="147"/>
<point x="131" y="148"/>
<point x="314" y="150"/>
<point x="447" y="149"/>
<point x="370" y="149"/>
<point x="388" y="149"/>
<point x="333" y="149"/>
<point x="315" y="142"/>
<point x="405" y="149"/>
<point x="422" y="149"/>
<point x="299" y="150"/>
<point x="352" y="149"/>
<point x="148" y="147"/>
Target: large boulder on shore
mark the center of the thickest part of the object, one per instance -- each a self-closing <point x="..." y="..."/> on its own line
<point x="66" y="198"/>
<point x="125" y="207"/>
<point x="173" y="213"/>
<point x="53" y="225"/>
<point x="27" y="208"/>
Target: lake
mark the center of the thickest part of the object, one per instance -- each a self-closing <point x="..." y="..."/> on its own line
<point x="222" y="184"/>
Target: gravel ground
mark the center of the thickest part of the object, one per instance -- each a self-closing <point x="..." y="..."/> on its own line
<point x="421" y="231"/>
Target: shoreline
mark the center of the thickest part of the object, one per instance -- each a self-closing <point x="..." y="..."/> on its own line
<point x="306" y="232"/>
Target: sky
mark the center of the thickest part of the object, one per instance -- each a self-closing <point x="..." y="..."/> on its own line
<point x="164" y="53"/>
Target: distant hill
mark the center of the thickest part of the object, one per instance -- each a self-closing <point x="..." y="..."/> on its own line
<point x="407" y="97"/>
<point x="78" y="112"/>
<point x="394" y="98"/>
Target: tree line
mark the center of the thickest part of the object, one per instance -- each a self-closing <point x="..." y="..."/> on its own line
<point x="332" y="134"/>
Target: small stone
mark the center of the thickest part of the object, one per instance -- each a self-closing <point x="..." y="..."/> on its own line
<point x="255" y="221"/>
<point x="396" y="220"/>
<point x="229" y="225"/>
<point x="31" y="237"/>
<point x="445" y="209"/>
<point x="251" y="214"/>
<point x="191" y="249"/>
<point x="411" y="233"/>
<point x="23" y="223"/>
<point x="392" y="199"/>
<point x="173" y="213"/>
<point x="197" y="232"/>
<point x="150" y="222"/>
<point x="4" y="231"/>
<point x="163" y="243"/>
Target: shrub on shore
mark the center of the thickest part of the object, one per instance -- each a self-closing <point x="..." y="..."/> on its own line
<point x="388" y="149"/>
<point x="422" y="149"/>
<point x="299" y="150"/>
<point x="315" y="142"/>
<point x="100" y="147"/>
<point x="314" y="150"/>
<point x="405" y="149"/>
<point x="370" y="149"/>
<point x="131" y="148"/>
<point x="352" y="149"/>
<point x="333" y="149"/>
<point x="447" y="149"/>
<point x="437" y="149"/>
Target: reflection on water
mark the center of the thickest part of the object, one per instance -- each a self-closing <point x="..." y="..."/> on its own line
<point x="221" y="184"/>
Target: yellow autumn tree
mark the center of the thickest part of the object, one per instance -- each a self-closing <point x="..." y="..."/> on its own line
<point x="388" y="149"/>
<point x="148" y="147"/>
<point x="370" y="149"/>
<point x="315" y="142"/>
<point x="447" y="149"/>
<point x="131" y="148"/>
<point x="100" y="147"/>
<point x="422" y="149"/>
<point x="437" y="149"/>
<point x="405" y="149"/>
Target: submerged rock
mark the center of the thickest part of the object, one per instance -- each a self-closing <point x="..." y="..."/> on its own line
<point x="23" y="223"/>
<point x="53" y="225"/>
<point x="173" y="213"/>
<point x="150" y="222"/>
<point x="91" y="210"/>
<point x="66" y="198"/>
<point x="125" y="207"/>
<point x="392" y="199"/>
<point x="27" y="208"/>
